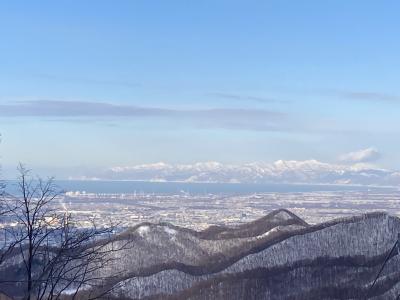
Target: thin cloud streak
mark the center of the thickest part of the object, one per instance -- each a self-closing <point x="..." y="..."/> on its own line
<point x="55" y="108"/>
<point x="371" y="96"/>
<point x="360" y="95"/>
<point x="345" y="94"/>
<point x="245" y="119"/>
<point x="238" y="97"/>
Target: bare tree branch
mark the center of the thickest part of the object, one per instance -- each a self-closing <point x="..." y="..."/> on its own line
<point x="56" y="254"/>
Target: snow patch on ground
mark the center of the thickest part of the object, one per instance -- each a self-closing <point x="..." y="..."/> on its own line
<point x="170" y="231"/>
<point x="143" y="230"/>
<point x="267" y="233"/>
<point x="283" y="215"/>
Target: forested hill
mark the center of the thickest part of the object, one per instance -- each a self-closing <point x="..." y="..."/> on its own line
<point x="278" y="256"/>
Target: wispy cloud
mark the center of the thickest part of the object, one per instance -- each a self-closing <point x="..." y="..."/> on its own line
<point x="246" y="119"/>
<point x="345" y="94"/>
<point x="55" y="108"/>
<point x="239" y="97"/>
<point x="370" y="96"/>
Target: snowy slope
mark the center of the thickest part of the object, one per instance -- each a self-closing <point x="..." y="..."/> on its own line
<point x="278" y="256"/>
<point x="332" y="256"/>
<point x="351" y="251"/>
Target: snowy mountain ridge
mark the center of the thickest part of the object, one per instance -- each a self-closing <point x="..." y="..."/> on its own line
<point x="281" y="171"/>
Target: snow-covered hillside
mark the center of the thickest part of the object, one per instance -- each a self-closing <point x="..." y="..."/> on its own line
<point x="341" y="256"/>
<point x="278" y="256"/>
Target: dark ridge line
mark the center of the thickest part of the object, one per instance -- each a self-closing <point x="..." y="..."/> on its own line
<point x="217" y="266"/>
<point x="351" y="219"/>
<point x="310" y="228"/>
<point x="257" y="227"/>
<point x="217" y="229"/>
<point x="268" y="273"/>
<point x="198" y="234"/>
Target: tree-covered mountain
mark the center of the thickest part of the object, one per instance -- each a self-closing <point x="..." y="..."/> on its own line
<point x="276" y="257"/>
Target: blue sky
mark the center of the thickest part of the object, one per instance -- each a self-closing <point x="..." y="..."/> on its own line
<point x="94" y="84"/>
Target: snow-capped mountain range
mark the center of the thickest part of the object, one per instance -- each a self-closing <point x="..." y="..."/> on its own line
<point x="303" y="172"/>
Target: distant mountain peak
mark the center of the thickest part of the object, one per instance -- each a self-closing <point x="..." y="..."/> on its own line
<point x="281" y="171"/>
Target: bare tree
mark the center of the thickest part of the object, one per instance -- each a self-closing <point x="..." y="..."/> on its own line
<point x="5" y="245"/>
<point x="7" y="241"/>
<point x="6" y="207"/>
<point x="56" y="254"/>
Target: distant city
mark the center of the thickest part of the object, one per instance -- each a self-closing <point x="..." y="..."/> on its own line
<point x="199" y="211"/>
